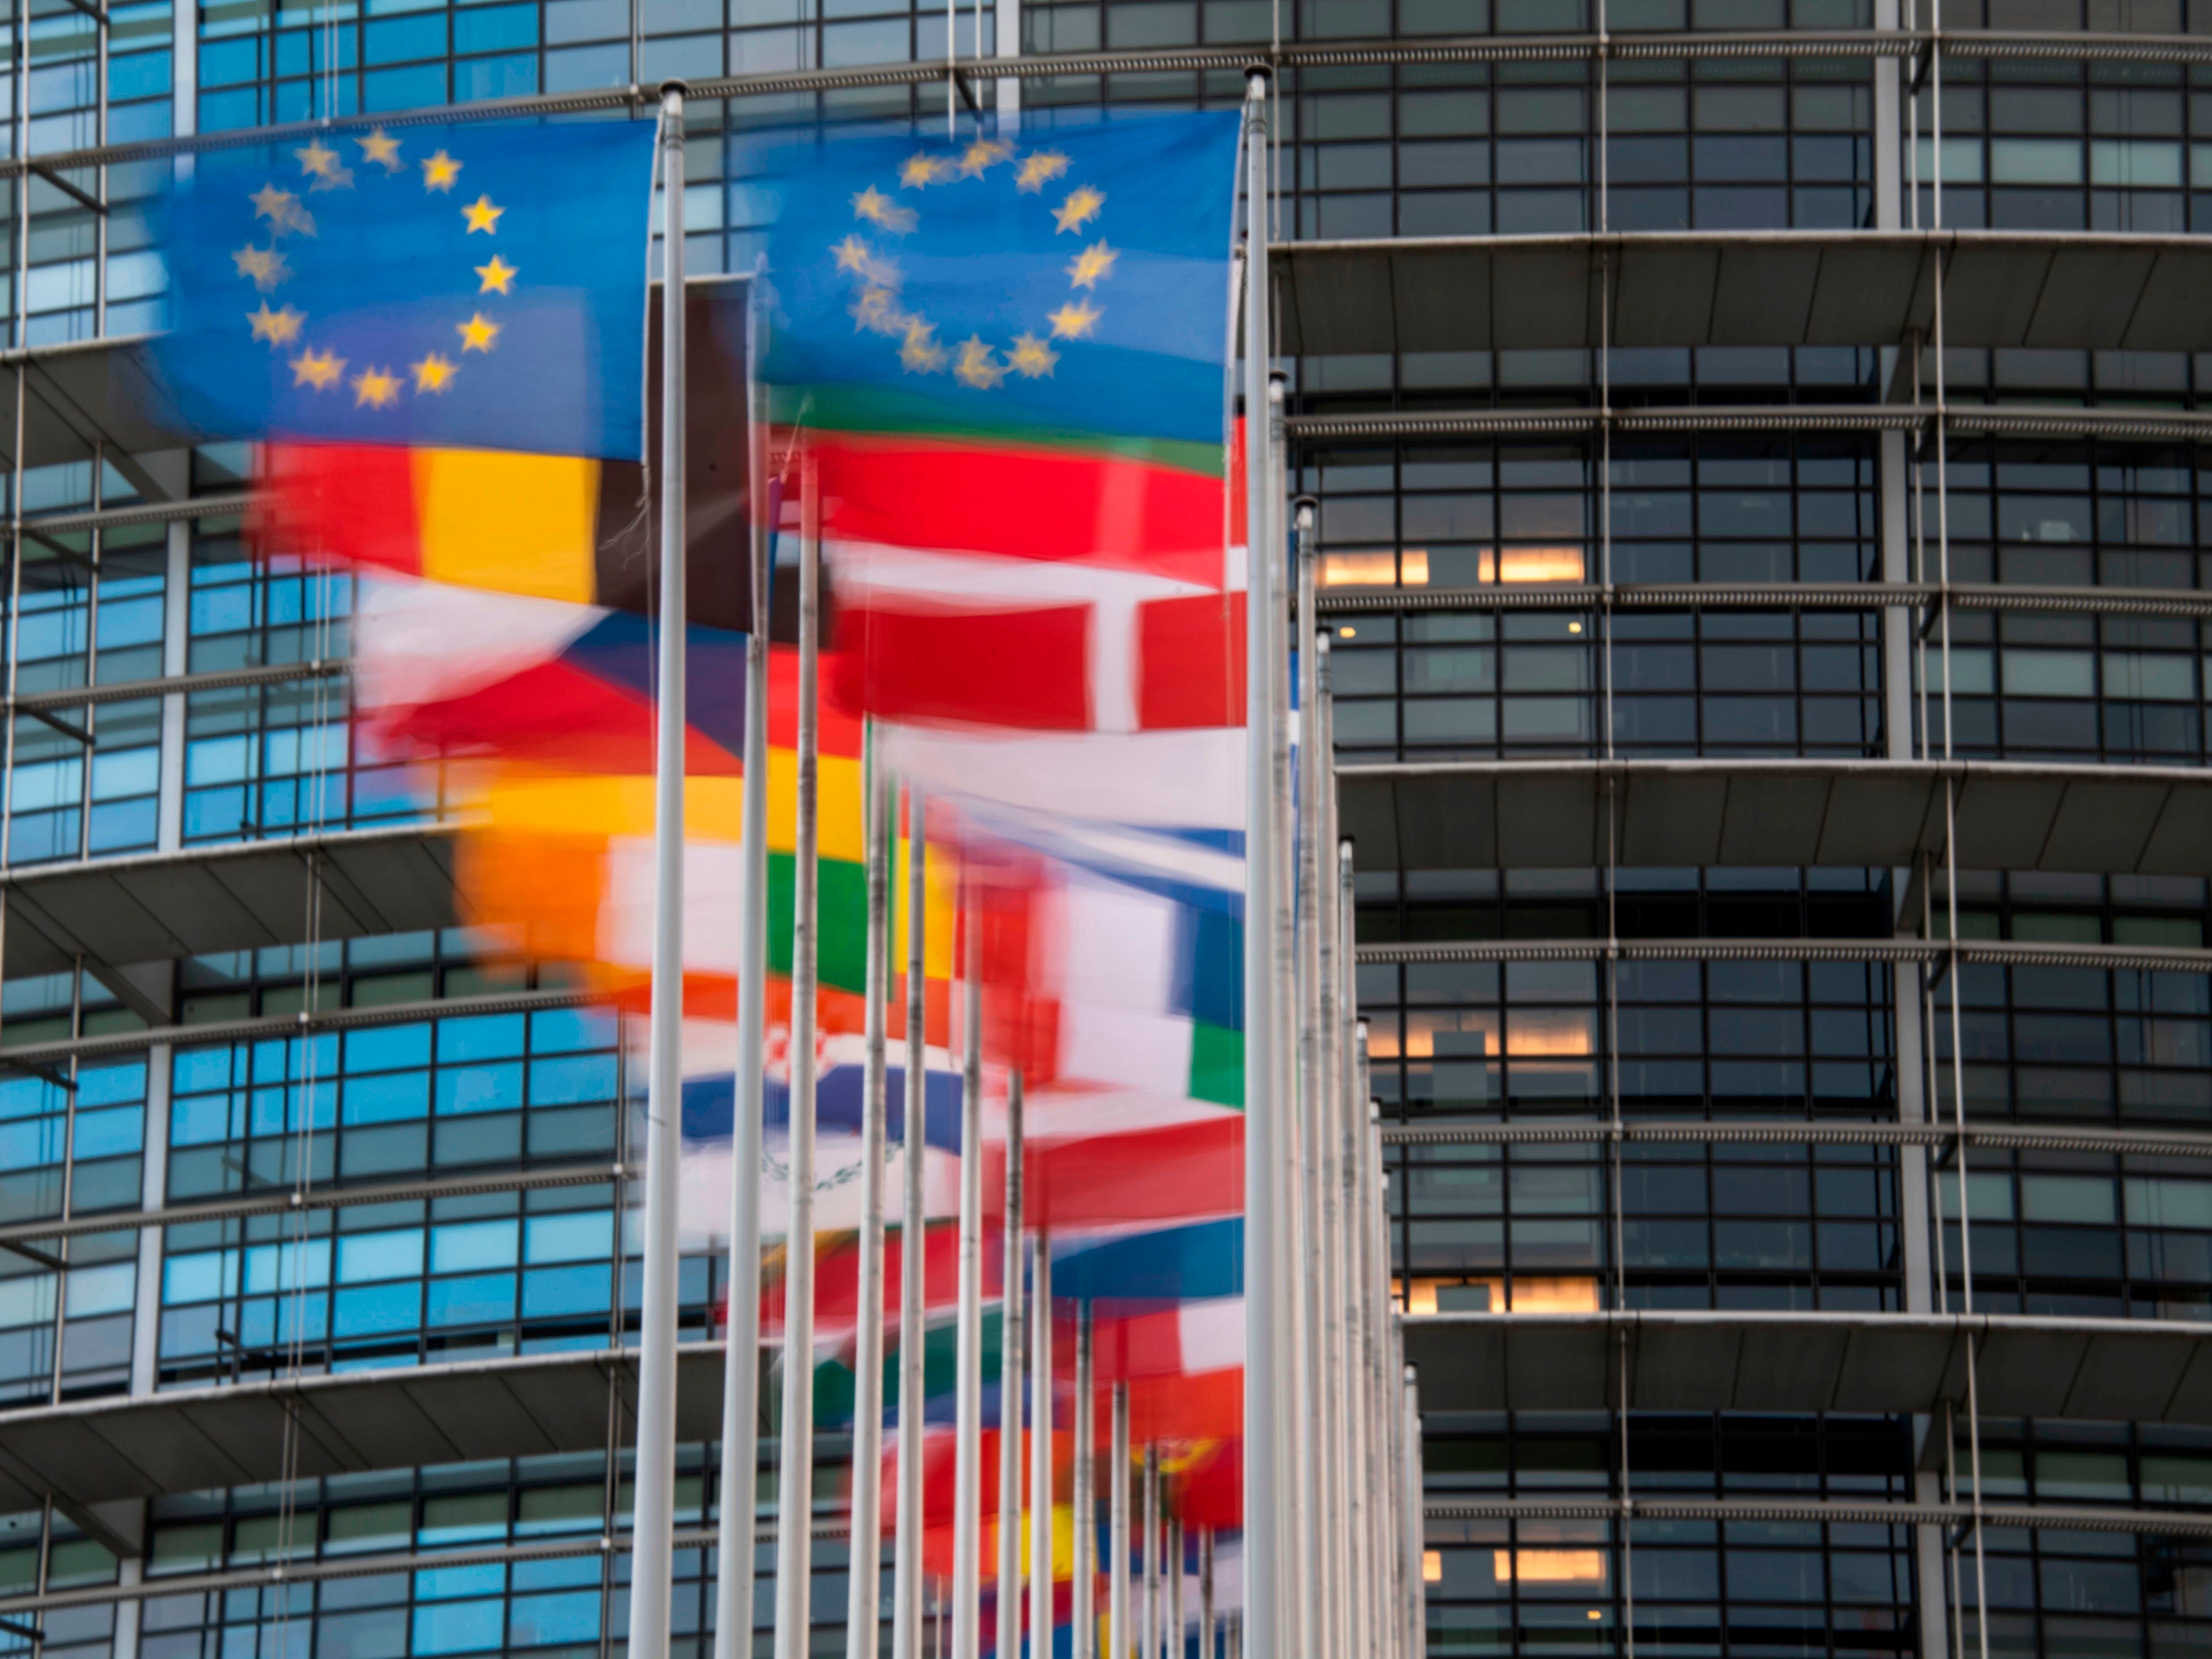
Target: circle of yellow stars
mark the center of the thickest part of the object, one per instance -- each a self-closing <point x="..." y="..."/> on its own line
<point x="323" y="168"/>
<point x="973" y="362"/>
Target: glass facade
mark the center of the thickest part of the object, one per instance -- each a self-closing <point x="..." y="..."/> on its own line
<point x="1543" y="582"/>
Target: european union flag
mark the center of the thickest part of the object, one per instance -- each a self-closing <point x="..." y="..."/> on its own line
<point x="1068" y="280"/>
<point x="464" y="286"/>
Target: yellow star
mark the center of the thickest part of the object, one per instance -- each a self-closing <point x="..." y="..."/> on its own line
<point x="498" y="276"/>
<point x="478" y="333"/>
<point x="319" y="161"/>
<point x="877" y="310"/>
<point x="277" y="327"/>
<point x="1088" y="266"/>
<point x="878" y="210"/>
<point x="282" y="210"/>
<point x="1031" y="357"/>
<point x="1039" y="169"/>
<point x="982" y="155"/>
<point x="381" y="149"/>
<point x="919" y="172"/>
<point x="1075" y="320"/>
<point x="318" y="370"/>
<point x="482" y="216"/>
<point x="377" y="388"/>
<point x="1082" y="204"/>
<point x="266" y="265"/>
<point x="853" y="255"/>
<point x="433" y="374"/>
<point x="921" y="354"/>
<point x="978" y="365"/>
<point x="440" y="171"/>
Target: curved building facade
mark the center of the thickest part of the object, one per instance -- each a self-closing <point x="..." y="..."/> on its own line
<point x="1759" y="463"/>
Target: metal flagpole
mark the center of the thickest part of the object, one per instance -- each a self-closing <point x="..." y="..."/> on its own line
<point x="1262" y="1428"/>
<point x="1328" y="1120"/>
<point x="1206" y="1594"/>
<point x="1352" y="1202"/>
<point x="1006" y="1589"/>
<point x="1152" y="1546"/>
<point x="1416" y="1595"/>
<point x="733" y="1585"/>
<point x="1083" y="1596"/>
<point x="968" y="1405"/>
<point x="914" y="1252"/>
<point x="1117" y="1529"/>
<point x="654" y="1515"/>
<point x="1041" y="1494"/>
<point x="1175" y="1644"/>
<point x="1310" y="1243"/>
<point x="795" y="1488"/>
<point x="864" y="1574"/>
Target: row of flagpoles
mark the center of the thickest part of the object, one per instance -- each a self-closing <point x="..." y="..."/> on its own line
<point x="1329" y="1548"/>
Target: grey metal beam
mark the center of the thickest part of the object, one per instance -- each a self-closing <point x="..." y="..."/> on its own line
<point x="107" y="517"/>
<point x="1835" y="1511"/>
<point x="284" y="1201"/>
<point x="218" y="679"/>
<point x="1772" y="596"/>
<point x="1880" y="1363"/>
<point x="238" y="896"/>
<point x="2003" y="420"/>
<point x="93" y="1451"/>
<point x="2045" y="45"/>
<point x="63" y="1050"/>
<point x="2159" y="958"/>
<point x="1779" y="287"/>
<point x="307" y="1569"/>
<point x="1858" y="814"/>
<point x="2053" y="1138"/>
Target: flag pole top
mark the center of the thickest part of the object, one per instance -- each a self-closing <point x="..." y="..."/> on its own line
<point x="1304" y="507"/>
<point x="1256" y="76"/>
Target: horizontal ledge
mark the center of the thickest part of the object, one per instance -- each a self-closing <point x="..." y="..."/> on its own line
<point x="2150" y="425"/>
<point x="109" y="518"/>
<point x="2149" y="1143"/>
<point x="2007" y="952"/>
<point x="364" y="1567"/>
<point x="1806" y="43"/>
<point x="286" y="1202"/>
<point x="2177" y="1523"/>
<point x="218" y="679"/>
<point x="268" y="1025"/>
<point x="1770" y="596"/>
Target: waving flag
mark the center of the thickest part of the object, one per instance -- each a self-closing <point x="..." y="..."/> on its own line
<point x="426" y="287"/>
<point x="1007" y="357"/>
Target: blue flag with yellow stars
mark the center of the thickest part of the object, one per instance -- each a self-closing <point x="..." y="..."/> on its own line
<point x="1061" y="284"/>
<point x="466" y="287"/>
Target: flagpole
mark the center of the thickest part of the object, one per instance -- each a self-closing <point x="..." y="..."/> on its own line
<point x="913" y="1253"/>
<point x="1083" y="1585"/>
<point x="864" y="1574"/>
<point x="1151" y="1547"/>
<point x="1117" y="1528"/>
<point x="734" y="1536"/>
<point x="1262" y="1427"/>
<point x="1417" y="1623"/>
<point x="1175" y="1587"/>
<point x="968" y="1407"/>
<point x="653" y="1513"/>
<point x="794" y="1513"/>
<point x="1041" y="1494"/>
<point x="1351" y="1115"/>
<point x="1006" y="1590"/>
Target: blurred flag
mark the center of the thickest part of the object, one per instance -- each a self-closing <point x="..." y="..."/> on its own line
<point x="1008" y="359"/>
<point x="573" y="528"/>
<point x="468" y="287"/>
